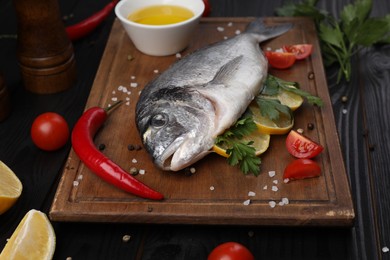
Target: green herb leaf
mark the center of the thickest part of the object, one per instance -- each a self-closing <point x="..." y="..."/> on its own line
<point x="272" y="108"/>
<point x="243" y="154"/>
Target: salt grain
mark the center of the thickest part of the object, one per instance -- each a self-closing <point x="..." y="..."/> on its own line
<point x="265" y="187"/>
<point x="271" y="173"/>
<point x="281" y="203"/>
<point x="114" y="99"/>
<point x="128" y="103"/>
<point x="286" y="180"/>
<point x="127" y="98"/>
<point x="247" y="202"/>
<point x="275" y="181"/>
<point x="272" y="204"/>
<point x="212" y="188"/>
<point x="251" y="194"/>
<point x="192" y="170"/>
<point x="120" y="88"/>
<point x="126" y="238"/>
<point x="385" y="249"/>
<point x="285" y="201"/>
<point x="238" y="32"/>
<point x="230" y="24"/>
<point x="80" y="177"/>
<point x="133" y="84"/>
<point x="345" y="111"/>
<point x="225" y="37"/>
<point x="132" y="77"/>
<point x="75" y="183"/>
<point x="178" y="55"/>
<point x="113" y="92"/>
<point x="141" y="171"/>
<point x="134" y="160"/>
<point x="220" y="29"/>
<point x="268" y="49"/>
<point x="274" y="188"/>
<point x="155" y="71"/>
<point x="300" y="130"/>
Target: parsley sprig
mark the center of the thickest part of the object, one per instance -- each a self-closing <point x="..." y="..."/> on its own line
<point x="240" y="152"/>
<point x="342" y="38"/>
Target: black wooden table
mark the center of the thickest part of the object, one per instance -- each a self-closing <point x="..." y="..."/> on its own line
<point x="363" y="127"/>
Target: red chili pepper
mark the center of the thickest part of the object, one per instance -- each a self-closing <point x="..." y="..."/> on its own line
<point x="82" y="142"/>
<point x="81" y="29"/>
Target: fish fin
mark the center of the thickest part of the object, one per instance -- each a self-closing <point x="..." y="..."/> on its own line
<point x="265" y="32"/>
<point x="225" y="72"/>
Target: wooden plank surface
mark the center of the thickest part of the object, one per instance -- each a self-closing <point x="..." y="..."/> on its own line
<point x="81" y="196"/>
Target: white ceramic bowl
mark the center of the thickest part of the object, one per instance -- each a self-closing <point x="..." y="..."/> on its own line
<point x="159" y="40"/>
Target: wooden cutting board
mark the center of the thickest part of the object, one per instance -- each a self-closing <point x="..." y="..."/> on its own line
<point x="216" y="193"/>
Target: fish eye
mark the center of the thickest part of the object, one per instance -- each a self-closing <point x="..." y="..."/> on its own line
<point x="159" y="120"/>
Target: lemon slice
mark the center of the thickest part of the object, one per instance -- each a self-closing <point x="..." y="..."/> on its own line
<point x="10" y="188"/>
<point x="292" y="100"/>
<point x="287" y="98"/>
<point x="267" y="126"/>
<point x="260" y="143"/>
<point x="33" y="238"/>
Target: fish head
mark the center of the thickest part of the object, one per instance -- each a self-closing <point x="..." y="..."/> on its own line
<point x="176" y="131"/>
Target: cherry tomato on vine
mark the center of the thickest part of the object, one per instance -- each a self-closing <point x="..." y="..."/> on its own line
<point x="301" y="51"/>
<point x="300" y="146"/>
<point x="49" y="131"/>
<point x="280" y="60"/>
<point x="207" y="8"/>
<point x="230" y="251"/>
<point x="301" y="169"/>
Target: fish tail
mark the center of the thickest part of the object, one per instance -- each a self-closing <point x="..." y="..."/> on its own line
<point x="264" y="32"/>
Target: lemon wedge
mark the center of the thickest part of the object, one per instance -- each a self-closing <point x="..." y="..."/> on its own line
<point x="33" y="238"/>
<point x="10" y="188"/>
<point x="272" y="127"/>
<point x="260" y="143"/>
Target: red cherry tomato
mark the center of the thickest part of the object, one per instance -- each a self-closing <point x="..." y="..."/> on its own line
<point x="230" y="251"/>
<point x="301" y="169"/>
<point x="49" y="131"/>
<point x="207" y="8"/>
<point x="280" y="60"/>
<point x="301" y="51"/>
<point x="302" y="147"/>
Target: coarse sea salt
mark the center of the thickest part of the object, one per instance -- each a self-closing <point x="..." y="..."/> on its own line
<point x="230" y="24"/>
<point x="75" y="183"/>
<point x="251" y="194"/>
<point x="220" y="29"/>
<point x="272" y="204"/>
<point x="238" y="32"/>
<point x="286" y="180"/>
<point x="274" y="188"/>
<point x="178" y="55"/>
<point x="385" y="249"/>
<point x="271" y="174"/>
<point x="155" y="71"/>
<point x="275" y="181"/>
<point x="212" y="188"/>
<point x="285" y="201"/>
<point x="247" y="202"/>
<point x="133" y="84"/>
<point x="141" y="171"/>
<point x="128" y="103"/>
<point x="114" y="99"/>
<point x="134" y="160"/>
<point x="265" y="187"/>
<point x="345" y="111"/>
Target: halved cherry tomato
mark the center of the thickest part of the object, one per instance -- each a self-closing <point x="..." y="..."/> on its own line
<point x="280" y="60"/>
<point x="49" y="131"/>
<point x="230" y="251"/>
<point x="301" y="51"/>
<point x="207" y="8"/>
<point x="302" y="147"/>
<point x="302" y="169"/>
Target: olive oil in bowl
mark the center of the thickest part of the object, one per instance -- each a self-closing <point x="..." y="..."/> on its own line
<point x="161" y="15"/>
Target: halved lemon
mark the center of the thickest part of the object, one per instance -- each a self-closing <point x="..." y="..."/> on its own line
<point x="10" y="188"/>
<point x="287" y="98"/>
<point x="260" y="143"/>
<point x="33" y="238"/>
<point x="273" y="127"/>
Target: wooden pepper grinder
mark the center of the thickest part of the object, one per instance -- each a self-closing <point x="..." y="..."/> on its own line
<point x="5" y="104"/>
<point x="45" y="53"/>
